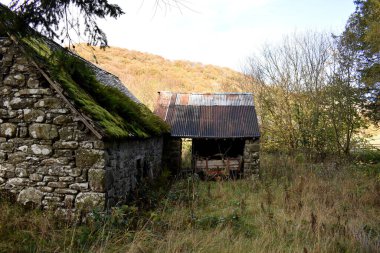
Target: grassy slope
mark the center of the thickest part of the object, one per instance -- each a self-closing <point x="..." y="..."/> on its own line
<point x="146" y="74"/>
<point x="294" y="207"/>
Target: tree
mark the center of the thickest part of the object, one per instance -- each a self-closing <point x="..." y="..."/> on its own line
<point x="308" y="95"/>
<point x="363" y="31"/>
<point x="343" y="94"/>
<point x="57" y="18"/>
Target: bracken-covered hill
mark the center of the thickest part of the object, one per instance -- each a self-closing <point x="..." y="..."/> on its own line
<point x="146" y="74"/>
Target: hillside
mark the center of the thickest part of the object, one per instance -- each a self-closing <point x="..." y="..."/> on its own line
<point x="146" y="74"/>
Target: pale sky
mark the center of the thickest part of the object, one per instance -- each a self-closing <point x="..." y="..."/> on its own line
<point x="219" y="32"/>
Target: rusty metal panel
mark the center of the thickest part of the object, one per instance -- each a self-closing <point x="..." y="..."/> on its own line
<point x="220" y="115"/>
<point x="162" y="104"/>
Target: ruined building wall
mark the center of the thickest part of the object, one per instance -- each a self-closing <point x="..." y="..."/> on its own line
<point x="128" y="164"/>
<point x="47" y="156"/>
<point x="172" y="154"/>
<point x="251" y="156"/>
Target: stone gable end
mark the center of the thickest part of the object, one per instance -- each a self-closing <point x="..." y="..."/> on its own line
<point x="47" y="156"/>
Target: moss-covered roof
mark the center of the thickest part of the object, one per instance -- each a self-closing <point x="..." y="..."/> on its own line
<point x="94" y="92"/>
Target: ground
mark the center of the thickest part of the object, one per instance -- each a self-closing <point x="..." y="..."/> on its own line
<point x="294" y="206"/>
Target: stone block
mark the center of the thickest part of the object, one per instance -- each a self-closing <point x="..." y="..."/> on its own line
<point x="18" y="181"/>
<point x="49" y="103"/>
<point x="64" y="153"/>
<point x="46" y="189"/>
<point x="66" y="179"/>
<point x="22" y="132"/>
<point x="60" y="161"/>
<point x="21" y="103"/>
<point x="89" y="200"/>
<point x="33" y="83"/>
<point x="60" y="171"/>
<point x="3" y="156"/>
<point x="57" y="184"/>
<point x="36" y="177"/>
<point x="79" y="186"/>
<point x="65" y="191"/>
<point x="74" y="172"/>
<point x="62" y="119"/>
<point x="14" y="80"/>
<point x="53" y="198"/>
<point x="66" y="133"/>
<point x="43" y="131"/>
<point x="8" y="130"/>
<point x="81" y="179"/>
<point x="20" y="68"/>
<point x="60" y="111"/>
<point x="86" y="158"/>
<point x="34" y="115"/>
<point x="30" y="195"/>
<point x="21" y="172"/>
<point x="5" y="90"/>
<point x="7" y="147"/>
<point x="17" y="157"/>
<point x="34" y="91"/>
<point x="37" y="149"/>
<point x="7" y="170"/>
<point x="96" y="179"/>
<point x="50" y="179"/>
<point x="86" y="144"/>
<point x="65" y="145"/>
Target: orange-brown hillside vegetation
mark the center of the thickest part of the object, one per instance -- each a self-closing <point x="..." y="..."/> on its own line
<point x="146" y="74"/>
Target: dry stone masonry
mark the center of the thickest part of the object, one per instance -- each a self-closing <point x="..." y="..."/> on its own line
<point x="251" y="156"/>
<point x="48" y="157"/>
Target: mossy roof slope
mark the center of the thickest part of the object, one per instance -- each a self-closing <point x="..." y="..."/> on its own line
<point x="101" y="96"/>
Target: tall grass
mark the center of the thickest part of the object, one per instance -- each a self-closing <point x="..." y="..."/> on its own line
<point x="293" y="206"/>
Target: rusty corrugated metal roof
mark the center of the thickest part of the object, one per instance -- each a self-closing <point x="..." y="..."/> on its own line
<point x="217" y="115"/>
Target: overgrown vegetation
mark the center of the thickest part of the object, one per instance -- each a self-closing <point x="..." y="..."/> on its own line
<point x="116" y="113"/>
<point x="294" y="206"/>
<point x="308" y="95"/>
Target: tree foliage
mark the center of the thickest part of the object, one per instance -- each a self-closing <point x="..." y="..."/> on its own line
<point x="57" y="18"/>
<point x="363" y="33"/>
<point x="308" y="95"/>
<point x="60" y="19"/>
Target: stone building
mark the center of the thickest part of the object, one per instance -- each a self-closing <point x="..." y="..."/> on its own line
<point x="71" y="134"/>
<point x="223" y="128"/>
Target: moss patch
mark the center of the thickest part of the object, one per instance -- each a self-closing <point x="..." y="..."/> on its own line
<point x="117" y="114"/>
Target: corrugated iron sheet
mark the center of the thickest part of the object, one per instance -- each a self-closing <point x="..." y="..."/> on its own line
<point x="220" y="115"/>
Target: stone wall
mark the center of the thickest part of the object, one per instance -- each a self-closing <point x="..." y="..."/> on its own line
<point x="172" y="154"/>
<point x="47" y="155"/>
<point x="251" y="156"/>
<point x="128" y="164"/>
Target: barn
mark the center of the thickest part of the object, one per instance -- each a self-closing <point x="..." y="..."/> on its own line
<point x="72" y="136"/>
<point x="223" y="128"/>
